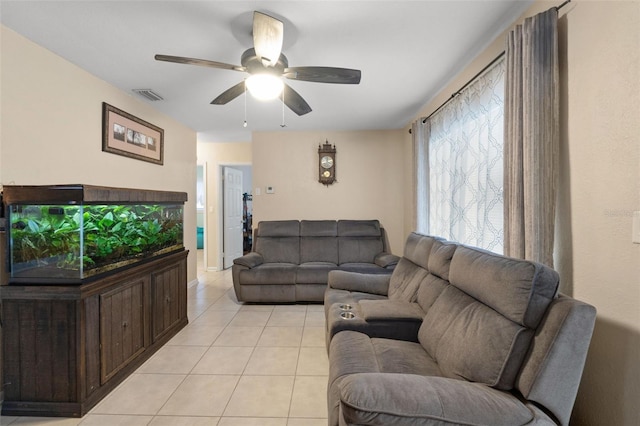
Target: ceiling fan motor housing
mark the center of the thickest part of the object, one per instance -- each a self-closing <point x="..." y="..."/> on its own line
<point x="254" y="65"/>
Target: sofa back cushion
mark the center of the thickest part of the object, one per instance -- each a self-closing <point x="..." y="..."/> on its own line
<point x="318" y="228"/>
<point x="417" y="248"/>
<point x="278" y="241"/>
<point x="518" y="289"/>
<point x="318" y="241"/>
<point x="480" y="327"/>
<point x="439" y="264"/>
<point x="411" y="269"/>
<point x="359" y="241"/>
<point x="405" y="280"/>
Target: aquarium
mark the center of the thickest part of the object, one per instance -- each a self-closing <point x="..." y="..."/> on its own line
<point x="71" y="241"/>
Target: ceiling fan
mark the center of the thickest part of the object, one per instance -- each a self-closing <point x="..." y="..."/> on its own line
<point x="266" y="61"/>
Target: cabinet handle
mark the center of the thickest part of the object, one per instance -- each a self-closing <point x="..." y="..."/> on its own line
<point x="125" y="324"/>
<point x="168" y="299"/>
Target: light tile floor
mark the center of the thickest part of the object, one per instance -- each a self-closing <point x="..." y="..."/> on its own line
<point x="233" y="365"/>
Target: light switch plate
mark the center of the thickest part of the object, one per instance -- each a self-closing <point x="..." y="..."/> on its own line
<point x="636" y="227"/>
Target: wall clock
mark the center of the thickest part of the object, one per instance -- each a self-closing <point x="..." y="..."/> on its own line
<point x="326" y="163"/>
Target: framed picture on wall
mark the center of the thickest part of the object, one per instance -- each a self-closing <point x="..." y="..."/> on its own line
<point x="130" y="136"/>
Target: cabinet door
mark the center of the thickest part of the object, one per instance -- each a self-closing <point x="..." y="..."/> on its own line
<point x="169" y="298"/>
<point x="40" y="338"/>
<point x="121" y="326"/>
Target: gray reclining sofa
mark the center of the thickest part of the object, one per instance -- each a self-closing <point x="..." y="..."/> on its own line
<point x="291" y="259"/>
<point x="457" y="335"/>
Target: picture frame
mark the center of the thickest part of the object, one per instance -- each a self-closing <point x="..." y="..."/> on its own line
<point x="127" y="135"/>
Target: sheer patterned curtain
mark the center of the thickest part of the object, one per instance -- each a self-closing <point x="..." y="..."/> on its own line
<point x="531" y="138"/>
<point x="465" y="165"/>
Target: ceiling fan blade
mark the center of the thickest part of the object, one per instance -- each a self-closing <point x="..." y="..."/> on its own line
<point x="229" y="94"/>
<point x="294" y="101"/>
<point x="201" y="62"/>
<point x="267" y="38"/>
<point x="324" y="74"/>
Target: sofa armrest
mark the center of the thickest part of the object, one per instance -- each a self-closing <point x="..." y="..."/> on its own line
<point x="250" y="260"/>
<point x="386" y="260"/>
<point x="354" y="281"/>
<point x="401" y="399"/>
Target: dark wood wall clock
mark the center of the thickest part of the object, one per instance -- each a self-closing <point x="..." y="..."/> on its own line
<point x="326" y="163"/>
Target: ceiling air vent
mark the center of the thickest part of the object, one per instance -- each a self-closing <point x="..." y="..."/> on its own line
<point x="149" y="94"/>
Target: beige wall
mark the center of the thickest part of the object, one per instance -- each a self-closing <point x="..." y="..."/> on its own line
<point x="603" y="136"/>
<point x="52" y="124"/>
<point x="213" y="156"/>
<point x="600" y="188"/>
<point x="368" y="170"/>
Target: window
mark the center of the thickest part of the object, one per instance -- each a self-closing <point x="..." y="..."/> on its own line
<point x="459" y="166"/>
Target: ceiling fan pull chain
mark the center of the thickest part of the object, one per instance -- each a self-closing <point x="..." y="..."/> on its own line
<point x="245" y="105"/>
<point x="283" y="125"/>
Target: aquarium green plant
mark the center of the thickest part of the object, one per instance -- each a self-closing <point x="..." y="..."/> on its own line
<point x="92" y="235"/>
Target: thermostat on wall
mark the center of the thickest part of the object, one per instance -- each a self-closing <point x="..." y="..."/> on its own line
<point x="270" y="190"/>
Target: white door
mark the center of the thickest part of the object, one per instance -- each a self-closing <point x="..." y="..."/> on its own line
<point x="232" y="215"/>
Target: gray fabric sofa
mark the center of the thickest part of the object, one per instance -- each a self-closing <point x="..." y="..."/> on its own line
<point x="457" y="336"/>
<point x="291" y="259"/>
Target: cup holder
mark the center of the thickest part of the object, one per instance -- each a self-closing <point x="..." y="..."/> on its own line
<point x="346" y="307"/>
<point x="347" y="315"/>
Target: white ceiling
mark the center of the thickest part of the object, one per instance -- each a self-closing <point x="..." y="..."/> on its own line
<point x="406" y="50"/>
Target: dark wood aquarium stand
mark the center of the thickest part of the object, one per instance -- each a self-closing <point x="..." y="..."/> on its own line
<point x="67" y="347"/>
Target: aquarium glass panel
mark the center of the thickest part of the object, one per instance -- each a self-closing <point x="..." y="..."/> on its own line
<point x="45" y="241"/>
<point x="54" y="242"/>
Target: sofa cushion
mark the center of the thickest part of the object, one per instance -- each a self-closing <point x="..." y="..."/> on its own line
<point x="481" y="325"/>
<point x="359" y="241"/>
<point x="405" y="280"/>
<point x="359" y="228"/>
<point x="314" y="272"/>
<point x="269" y="273"/>
<point x="518" y="289"/>
<point x="409" y="399"/>
<point x="471" y="341"/>
<point x="351" y="281"/>
<point x="418" y="247"/>
<point x="353" y="352"/>
<point x="363" y="268"/>
<point x="439" y="262"/>
<point x="279" y="249"/>
<point x="278" y="241"/>
<point x="318" y="228"/>
<point x="429" y="291"/>
<point x="278" y="228"/>
<point x="358" y="249"/>
<point x="319" y="249"/>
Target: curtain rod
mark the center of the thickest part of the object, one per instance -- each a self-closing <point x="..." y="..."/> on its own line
<point x="457" y="92"/>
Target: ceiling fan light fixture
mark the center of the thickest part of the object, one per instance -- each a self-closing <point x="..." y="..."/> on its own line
<point x="264" y="86"/>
